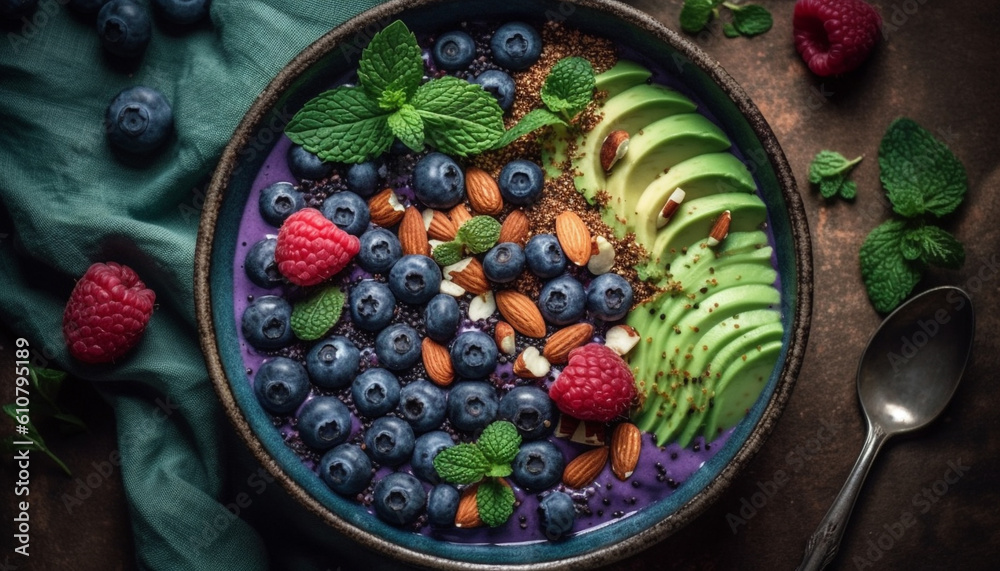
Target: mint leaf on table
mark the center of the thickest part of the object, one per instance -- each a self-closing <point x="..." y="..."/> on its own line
<point x="920" y="174"/>
<point x="459" y="118"/>
<point x="461" y="464"/>
<point x="391" y="62"/>
<point x="751" y="19"/>
<point x="888" y="276"/>
<point x="829" y="170"/>
<point x="696" y="14"/>
<point x="569" y="87"/>
<point x="314" y="316"/>
<point x="341" y="125"/>
<point x="500" y="442"/>
<point x="408" y="127"/>
<point x="479" y="234"/>
<point x="532" y="121"/>
<point x="934" y="246"/>
<point x="495" y="501"/>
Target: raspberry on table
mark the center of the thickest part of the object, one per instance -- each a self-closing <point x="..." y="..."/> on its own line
<point x="311" y="248"/>
<point x="835" y="36"/>
<point x="596" y="384"/>
<point x="107" y="313"/>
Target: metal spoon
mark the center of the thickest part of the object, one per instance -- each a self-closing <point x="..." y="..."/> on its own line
<point x="907" y="375"/>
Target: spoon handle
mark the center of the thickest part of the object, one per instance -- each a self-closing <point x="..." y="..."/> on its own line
<point x="825" y="541"/>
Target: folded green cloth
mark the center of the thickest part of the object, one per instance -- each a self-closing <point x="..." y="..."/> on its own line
<point x="70" y="202"/>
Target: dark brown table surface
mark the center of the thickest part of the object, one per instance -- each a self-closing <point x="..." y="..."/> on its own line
<point x="939" y="66"/>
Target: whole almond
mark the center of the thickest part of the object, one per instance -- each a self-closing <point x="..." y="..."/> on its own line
<point x="626" y="443"/>
<point x="582" y="470"/>
<point x="412" y="235"/>
<point x="437" y="361"/>
<point x="459" y="214"/>
<point x="482" y="191"/>
<point x="439" y="226"/>
<point x="385" y="208"/>
<point x="469" y="274"/>
<point x="467" y="514"/>
<point x="515" y="228"/>
<point x="521" y="313"/>
<point x="560" y="343"/>
<point x="504" y="335"/>
<point x="574" y="237"/>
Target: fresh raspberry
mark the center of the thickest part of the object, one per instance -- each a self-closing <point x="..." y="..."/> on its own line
<point x="835" y="36"/>
<point x="106" y="313"/>
<point x="310" y="248"/>
<point x="595" y="385"/>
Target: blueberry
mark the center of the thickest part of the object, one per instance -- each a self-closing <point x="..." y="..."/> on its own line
<point x="545" y="256"/>
<point x="399" y="498"/>
<point x="279" y="201"/>
<point x="346" y="469"/>
<point x="87" y="6"/>
<point x="503" y="263"/>
<point x="442" y="317"/>
<point x="138" y="119"/>
<point x="398" y="347"/>
<point x="124" y="28"/>
<point x="442" y="505"/>
<point x="438" y="181"/>
<point x="281" y="385"/>
<point x="380" y="249"/>
<point x="364" y="178"/>
<point x="558" y="515"/>
<point x="260" y="266"/>
<point x="182" y="12"/>
<point x="562" y="301"/>
<point x="324" y="422"/>
<point x="474" y="355"/>
<point x="389" y="441"/>
<point x="521" y="182"/>
<point x="531" y="410"/>
<point x="375" y="392"/>
<point x="333" y="362"/>
<point x="266" y="323"/>
<point x="516" y="45"/>
<point x="499" y="85"/>
<point x="305" y="165"/>
<point x="609" y="297"/>
<point x="422" y="404"/>
<point x="454" y="51"/>
<point x="425" y="449"/>
<point x="472" y="405"/>
<point x="348" y="211"/>
<point x="538" y="465"/>
<point x="415" y="279"/>
<point x="372" y="305"/>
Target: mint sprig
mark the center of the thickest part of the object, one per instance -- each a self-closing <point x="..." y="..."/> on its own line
<point x="921" y="177"/>
<point x="355" y="124"/>
<point x="46" y="384"/>
<point x="747" y="19"/>
<point x="461" y="464"/>
<point x="829" y="171"/>
<point x="317" y="314"/>
<point x="448" y="253"/>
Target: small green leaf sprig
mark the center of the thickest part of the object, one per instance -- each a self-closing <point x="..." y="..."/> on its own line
<point x="318" y="313"/>
<point x="485" y="462"/>
<point x="747" y="19"/>
<point x="829" y="171"/>
<point x="475" y="236"/>
<point x="922" y="179"/>
<point x="354" y="124"/>
<point x="45" y="384"/>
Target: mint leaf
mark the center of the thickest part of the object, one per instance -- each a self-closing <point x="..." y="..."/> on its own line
<point x="314" y="316"/>
<point x="342" y="125"/>
<point x="499" y="471"/>
<point x="461" y="464"/>
<point x="569" y="87"/>
<point x="887" y="275"/>
<point x="936" y="246"/>
<point x="407" y="125"/>
<point x="495" y="501"/>
<point x="448" y="253"/>
<point x="829" y="170"/>
<point x="920" y="173"/>
<point x="391" y="62"/>
<point x="730" y="31"/>
<point x="459" y="118"/>
<point x="33" y="436"/>
<point x="696" y="14"/>
<point x="47" y="383"/>
<point x="479" y="234"/>
<point x="532" y="121"/>
<point x="750" y="20"/>
<point x="500" y="442"/>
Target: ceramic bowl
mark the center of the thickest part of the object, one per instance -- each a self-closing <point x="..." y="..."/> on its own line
<point x="330" y="56"/>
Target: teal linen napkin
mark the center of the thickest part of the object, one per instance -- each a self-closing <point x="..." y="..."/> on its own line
<point x="68" y="201"/>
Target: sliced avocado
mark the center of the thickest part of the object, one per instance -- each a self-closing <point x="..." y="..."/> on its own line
<point x="654" y="150"/>
<point x="621" y="76"/>
<point x="693" y="222"/>
<point x="741" y="389"/>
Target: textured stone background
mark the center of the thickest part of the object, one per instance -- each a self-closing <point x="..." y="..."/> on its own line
<point x="939" y="67"/>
